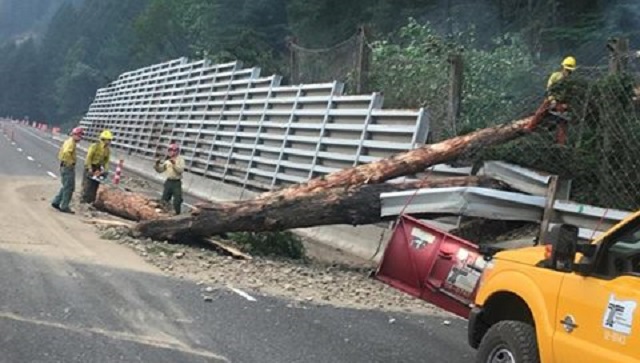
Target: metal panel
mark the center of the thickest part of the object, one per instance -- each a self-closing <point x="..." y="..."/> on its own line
<point x="376" y="102"/>
<point x="523" y="179"/>
<point x="338" y="89"/>
<point x="274" y="178"/>
<point x="241" y="119"/>
<point x="499" y="205"/>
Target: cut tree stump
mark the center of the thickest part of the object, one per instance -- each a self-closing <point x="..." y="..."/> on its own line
<point x="128" y="205"/>
<point x="357" y="205"/>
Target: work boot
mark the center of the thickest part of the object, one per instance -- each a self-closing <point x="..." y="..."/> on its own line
<point x="68" y="211"/>
<point x="55" y="206"/>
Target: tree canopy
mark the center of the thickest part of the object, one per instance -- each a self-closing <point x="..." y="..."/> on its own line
<point x="56" y="53"/>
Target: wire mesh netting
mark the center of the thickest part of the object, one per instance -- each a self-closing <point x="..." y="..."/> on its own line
<point x="599" y="156"/>
<point x="502" y="85"/>
<point x="337" y="63"/>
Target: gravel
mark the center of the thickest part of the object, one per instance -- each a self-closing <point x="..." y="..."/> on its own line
<point x="308" y="283"/>
<point x="337" y="279"/>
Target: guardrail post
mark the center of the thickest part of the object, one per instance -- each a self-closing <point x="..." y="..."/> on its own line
<point x="548" y="214"/>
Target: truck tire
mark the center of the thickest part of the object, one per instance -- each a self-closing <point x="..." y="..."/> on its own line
<point x="509" y="342"/>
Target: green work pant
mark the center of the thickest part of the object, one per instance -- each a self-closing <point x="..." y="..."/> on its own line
<point x="89" y="186"/>
<point x="68" y="177"/>
<point x="173" y="189"/>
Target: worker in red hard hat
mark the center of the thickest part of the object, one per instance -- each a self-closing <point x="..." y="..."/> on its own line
<point x="67" y="158"/>
<point x="172" y="167"/>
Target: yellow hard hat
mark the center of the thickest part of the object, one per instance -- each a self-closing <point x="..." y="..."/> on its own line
<point x="106" y="135"/>
<point x="569" y="63"/>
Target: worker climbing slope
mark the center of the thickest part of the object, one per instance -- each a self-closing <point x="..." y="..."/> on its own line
<point x="67" y="158"/>
<point x="172" y="167"/>
<point x="96" y="166"/>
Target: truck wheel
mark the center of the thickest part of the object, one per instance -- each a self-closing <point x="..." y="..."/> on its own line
<point x="509" y="342"/>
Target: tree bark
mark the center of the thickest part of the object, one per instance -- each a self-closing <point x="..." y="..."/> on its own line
<point x="355" y="205"/>
<point x="132" y="206"/>
<point x="349" y="196"/>
<point x="408" y="163"/>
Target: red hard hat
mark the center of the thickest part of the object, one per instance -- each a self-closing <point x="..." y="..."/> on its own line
<point x="78" y="131"/>
<point x="174" y="147"/>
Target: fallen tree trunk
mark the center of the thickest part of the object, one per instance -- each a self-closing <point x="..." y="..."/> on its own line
<point x="355" y="205"/>
<point x="349" y="196"/>
<point x="408" y="163"/>
<point x="128" y="205"/>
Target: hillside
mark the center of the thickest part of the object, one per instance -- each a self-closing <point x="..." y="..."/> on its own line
<point x="21" y="19"/>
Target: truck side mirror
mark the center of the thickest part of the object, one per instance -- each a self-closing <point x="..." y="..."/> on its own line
<point x="563" y="240"/>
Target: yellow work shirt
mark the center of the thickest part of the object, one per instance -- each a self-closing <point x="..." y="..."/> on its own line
<point x="170" y="170"/>
<point x="553" y="79"/>
<point x="98" y="154"/>
<point x="67" y="153"/>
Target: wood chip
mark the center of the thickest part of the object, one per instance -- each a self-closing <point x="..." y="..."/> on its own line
<point x="108" y="222"/>
<point x="229" y="249"/>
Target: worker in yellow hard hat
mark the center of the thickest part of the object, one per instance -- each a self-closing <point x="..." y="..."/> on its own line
<point x="96" y="166"/>
<point x="553" y="103"/>
<point x="558" y="106"/>
<point x="568" y="66"/>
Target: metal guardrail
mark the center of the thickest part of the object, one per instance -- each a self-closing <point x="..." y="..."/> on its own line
<point x="499" y="205"/>
<point x="238" y="127"/>
<point x="523" y="179"/>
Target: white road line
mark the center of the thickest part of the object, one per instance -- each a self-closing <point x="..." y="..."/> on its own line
<point x="30" y="158"/>
<point x="242" y="293"/>
<point x="52" y="175"/>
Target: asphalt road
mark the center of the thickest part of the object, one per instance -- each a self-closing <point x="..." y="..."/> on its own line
<point x="69" y="298"/>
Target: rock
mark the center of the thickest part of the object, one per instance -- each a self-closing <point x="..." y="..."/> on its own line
<point x="392" y="320"/>
<point x="208" y="289"/>
<point x="110" y="234"/>
<point x="327" y="280"/>
<point x="179" y="255"/>
<point x="446" y="323"/>
<point x="207" y="298"/>
<point x="162" y="254"/>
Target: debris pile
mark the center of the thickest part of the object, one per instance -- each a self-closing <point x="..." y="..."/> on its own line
<point x="311" y="282"/>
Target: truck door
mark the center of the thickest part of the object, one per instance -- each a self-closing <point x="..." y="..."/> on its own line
<point x="598" y="317"/>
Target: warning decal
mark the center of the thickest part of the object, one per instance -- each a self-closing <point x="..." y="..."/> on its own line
<point x="618" y="315"/>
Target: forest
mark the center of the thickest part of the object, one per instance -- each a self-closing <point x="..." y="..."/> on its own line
<point x="56" y="53"/>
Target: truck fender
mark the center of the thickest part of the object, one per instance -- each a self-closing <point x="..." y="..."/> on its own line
<point x="524" y="287"/>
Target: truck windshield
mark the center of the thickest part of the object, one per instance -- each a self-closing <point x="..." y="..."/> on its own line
<point x="623" y="253"/>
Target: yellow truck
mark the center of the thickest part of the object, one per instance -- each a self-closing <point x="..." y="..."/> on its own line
<point x="564" y="301"/>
